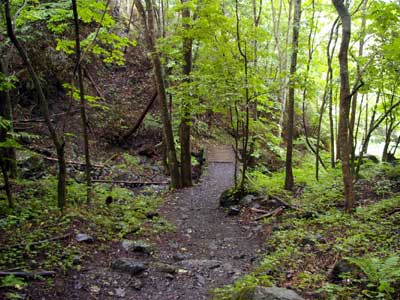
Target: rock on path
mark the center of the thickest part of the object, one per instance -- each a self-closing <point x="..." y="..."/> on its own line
<point x="207" y="250"/>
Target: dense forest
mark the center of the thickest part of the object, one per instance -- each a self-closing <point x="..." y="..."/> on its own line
<point x="199" y="149"/>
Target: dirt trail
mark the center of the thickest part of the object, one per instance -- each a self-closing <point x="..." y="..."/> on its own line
<point x="216" y="249"/>
<point x="207" y="250"/>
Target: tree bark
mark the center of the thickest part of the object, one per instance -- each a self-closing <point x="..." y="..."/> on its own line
<point x="85" y="135"/>
<point x="289" y="181"/>
<point x="10" y="156"/>
<point x="147" y="17"/>
<point x="185" y="126"/>
<point x="43" y="104"/>
<point x="345" y="100"/>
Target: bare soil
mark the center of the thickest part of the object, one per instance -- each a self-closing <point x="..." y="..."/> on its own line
<point x="208" y="249"/>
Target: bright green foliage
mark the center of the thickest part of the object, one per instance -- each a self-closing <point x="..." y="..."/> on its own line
<point x="58" y="18"/>
<point x="40" y="220"/>
<point x="305" y="243"/>
<point x="381" y="274"/>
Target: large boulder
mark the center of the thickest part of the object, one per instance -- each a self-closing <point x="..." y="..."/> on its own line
<point x="267" y="293"/>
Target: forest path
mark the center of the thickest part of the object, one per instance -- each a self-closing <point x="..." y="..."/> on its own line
<point x="209" y="248"/>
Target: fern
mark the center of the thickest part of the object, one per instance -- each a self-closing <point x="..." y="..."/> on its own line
<point x="381" y="272"/>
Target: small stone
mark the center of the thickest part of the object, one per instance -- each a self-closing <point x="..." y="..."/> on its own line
<point x="233" y="211"/>
<point x="120" y="292"/>
<point x="129" y="265"/>
<point x="165" y="268"/>
<point x="179" y="257"/>
<point x="85" y="238"/>
<point x="201" y="281"/>
<point x="137" y="246"/>
<point x="170" y="276"/>
<point x="136" y="284"/>
<point x="94" y="289"/>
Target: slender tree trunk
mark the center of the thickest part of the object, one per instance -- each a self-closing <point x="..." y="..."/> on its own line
<point x="10" y="155"/>
<point x="82" y="104"/>
<point x="148" y="24"/>
<point x="289" y="181"/>
<point x="355" y="96"/>
<point x="345" y="104"/>
<point x="43" y="104"/>
<point x="185" y="126"/>
<point x="7" y="184"/>
<point x="246" y="123"/>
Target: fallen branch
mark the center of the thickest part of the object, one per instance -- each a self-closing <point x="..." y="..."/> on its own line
<point x="257" y="210"/>
<point x="21" y="245"/>
<point x="281" y="202"/>
<point x="273" y="213"/>
<point x="72" y="162"/>
<point x="131" y="182"/>
<point x="42" y="120"/>
<point x="28" y="275"/>
<point x="396" y="210"/>
<point x="99" y="93"/>
<point x="141" y="118"/>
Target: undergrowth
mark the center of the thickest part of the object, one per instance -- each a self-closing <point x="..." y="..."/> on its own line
<point x="306" y="243"/>
<point x="36" y="236"/>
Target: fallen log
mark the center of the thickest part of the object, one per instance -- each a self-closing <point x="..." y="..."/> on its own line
<point x="21" y="245"/>
<point x="28" y="275"/>
<point x="281" y="202"/>
<point x="72" y="162"/>
<point x="273" y="213"/>
<point x="396" y="210"/>
<point x="141" y="118"/>
<point x="99" y="93"/>
<point x="131" y="182"/>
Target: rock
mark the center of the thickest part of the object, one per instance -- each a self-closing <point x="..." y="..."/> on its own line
<point x="137" y="246"/>
<point x="341" y="268"/>
<point x="229" y="198"/>
<point x="247" y="200"/>
<point x="264" y="293"/>
<point x="129" y="265"/>
<point x="200" y="264"/>
<point x="179" y="257"/>
<point x="120" y="292"/>
<point x="30" y="164"/>
<point x="152" y="215"/>
<point x="84" y="238"/>
<point x="136" y="284"/>
<point x="233" y="211"/>
<point x="165" y="268"/>
<point x="308" y="240"/>
<point x="94" y="289"/>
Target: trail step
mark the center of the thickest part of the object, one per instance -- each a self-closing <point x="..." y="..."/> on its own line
<point x="220" y="154"/>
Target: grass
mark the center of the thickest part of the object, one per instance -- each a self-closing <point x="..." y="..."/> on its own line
<point x="303" y="248"/>
<point x="26" y="232"/>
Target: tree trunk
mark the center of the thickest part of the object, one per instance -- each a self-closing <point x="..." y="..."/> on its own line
<point x="345" y="99"/>
<point x="85" y="135"/>
<point x="185" y="126"/>
<point x="289" y="182"/>
<point x="9" y="154"/>
<point x="43" y="104"/>
<point x="148" y="24"/>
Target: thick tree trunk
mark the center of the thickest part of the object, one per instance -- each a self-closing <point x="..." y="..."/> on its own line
<point x="43" y="104"/>
<point x="148" y="24"/>
<point x="85" y="135"/>
<point x="289" y="182"/>
<point x="345" y="99"/>
<point x="185" y="126"/>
